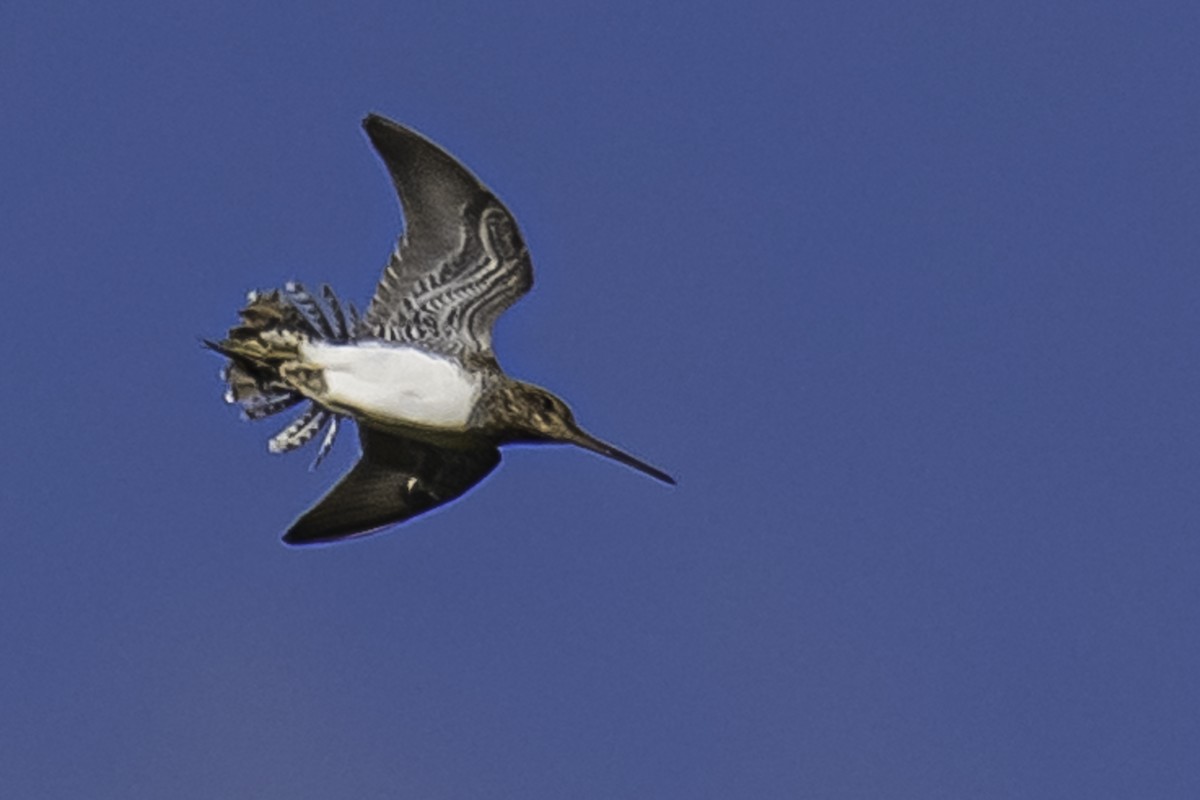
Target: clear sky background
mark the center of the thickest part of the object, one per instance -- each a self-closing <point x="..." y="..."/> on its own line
<point x="907" y="295"/>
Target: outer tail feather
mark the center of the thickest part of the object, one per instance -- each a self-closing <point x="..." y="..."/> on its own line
<point x="301" y="431"/>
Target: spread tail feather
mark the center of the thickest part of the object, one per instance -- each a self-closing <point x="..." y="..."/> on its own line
<point x="273" y="326"/>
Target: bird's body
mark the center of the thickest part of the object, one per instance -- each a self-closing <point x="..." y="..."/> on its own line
<point x="416" y="371"/>
<point x="394" y="385"/>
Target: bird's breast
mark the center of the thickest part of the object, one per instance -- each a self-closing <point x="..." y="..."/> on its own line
<point x="394" y="384"/>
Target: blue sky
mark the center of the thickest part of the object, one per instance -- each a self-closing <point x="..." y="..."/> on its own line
<point x="905" y="294"/>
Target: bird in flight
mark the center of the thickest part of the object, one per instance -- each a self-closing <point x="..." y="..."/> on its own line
<point x="416" y="371"/>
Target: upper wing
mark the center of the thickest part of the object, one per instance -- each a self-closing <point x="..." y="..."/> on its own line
<point x="461" y="261"/>
<point x="396" y="479"/>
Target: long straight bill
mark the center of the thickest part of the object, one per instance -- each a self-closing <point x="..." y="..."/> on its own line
<point x="589" y="442"/>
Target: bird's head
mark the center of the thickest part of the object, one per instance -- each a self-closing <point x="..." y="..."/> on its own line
<point x="539" y="416"/>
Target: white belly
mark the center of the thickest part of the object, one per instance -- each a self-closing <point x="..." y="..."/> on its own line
<point x="394" y="383"/>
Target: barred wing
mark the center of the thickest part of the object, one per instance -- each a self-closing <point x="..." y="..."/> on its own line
<point x="461" y="262"/>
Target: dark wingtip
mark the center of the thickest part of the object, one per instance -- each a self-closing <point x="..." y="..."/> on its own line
<point x="312" y="529"/>
<point x="377" y="126"/>
<point x="373" y="120"/>
<point x="306" y="535"/>
<point x="295" y="539"/>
